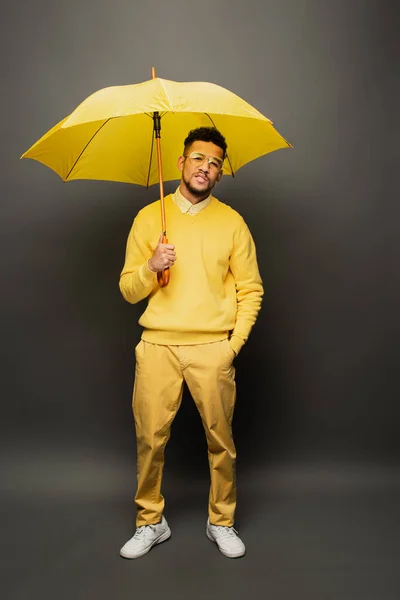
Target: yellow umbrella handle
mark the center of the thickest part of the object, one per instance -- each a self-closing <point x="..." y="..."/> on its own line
<point x="162" y="276"/>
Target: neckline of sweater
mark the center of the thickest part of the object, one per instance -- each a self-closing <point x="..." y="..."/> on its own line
<point x="205" y="210"/>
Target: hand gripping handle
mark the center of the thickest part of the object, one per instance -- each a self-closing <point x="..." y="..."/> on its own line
<point x="163" y="276"/>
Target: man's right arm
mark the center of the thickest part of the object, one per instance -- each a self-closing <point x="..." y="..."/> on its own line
<point x="137" y="281"/>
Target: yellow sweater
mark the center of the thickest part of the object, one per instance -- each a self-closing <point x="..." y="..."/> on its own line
<point x="215" y="289"/>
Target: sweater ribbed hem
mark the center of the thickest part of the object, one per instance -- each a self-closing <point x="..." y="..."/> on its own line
<point x="182" y="338"/>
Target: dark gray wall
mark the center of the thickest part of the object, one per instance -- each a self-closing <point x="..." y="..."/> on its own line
<point x="319" y="376"/>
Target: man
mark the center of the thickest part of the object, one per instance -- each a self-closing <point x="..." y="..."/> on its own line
<point x="193" y="329"/>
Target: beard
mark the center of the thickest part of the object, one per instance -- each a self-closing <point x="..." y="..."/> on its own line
<point x="198" y="193"/>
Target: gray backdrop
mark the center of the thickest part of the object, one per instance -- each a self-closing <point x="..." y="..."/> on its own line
<point x="318" y="379"/>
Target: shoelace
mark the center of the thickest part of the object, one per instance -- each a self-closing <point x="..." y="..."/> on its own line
<point x="140" y="531"/>
<point x="226" y="532"/>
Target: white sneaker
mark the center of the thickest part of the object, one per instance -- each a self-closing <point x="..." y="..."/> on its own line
<point x="227" y="540"/>
<point x="145" y="538"/>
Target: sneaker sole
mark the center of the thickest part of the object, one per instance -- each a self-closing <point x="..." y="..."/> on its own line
<point x="165" y="536"/>
<point x="227" y="554"/>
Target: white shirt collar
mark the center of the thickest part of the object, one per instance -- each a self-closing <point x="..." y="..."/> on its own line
<point x="186" y="207"/>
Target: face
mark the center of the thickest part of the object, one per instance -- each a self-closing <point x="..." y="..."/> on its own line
<point x="199" y="180"/>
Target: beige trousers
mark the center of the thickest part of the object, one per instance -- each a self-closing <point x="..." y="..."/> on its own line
<point x="159" y="378"/>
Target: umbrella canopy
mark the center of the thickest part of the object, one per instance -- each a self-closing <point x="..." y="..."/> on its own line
<point x="110" y="135"/>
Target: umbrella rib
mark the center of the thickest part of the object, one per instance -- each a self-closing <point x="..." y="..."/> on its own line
<point x="93" y="136"/>
<point x="151" y="156"/>
<point x="227" y="156"/>
<point x="150" y="115"/>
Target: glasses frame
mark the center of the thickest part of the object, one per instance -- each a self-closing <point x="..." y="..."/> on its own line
<point x="206" y="157"/>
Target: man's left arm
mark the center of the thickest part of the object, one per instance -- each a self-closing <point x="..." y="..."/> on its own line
<point x="249" y="287"/>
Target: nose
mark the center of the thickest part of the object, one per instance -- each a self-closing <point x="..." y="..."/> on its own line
<point x="205" y="166"/>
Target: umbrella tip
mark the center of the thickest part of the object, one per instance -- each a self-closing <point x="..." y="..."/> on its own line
<point x="153" y="72"/>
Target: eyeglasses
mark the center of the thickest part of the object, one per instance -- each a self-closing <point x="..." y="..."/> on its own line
<point x="198" y="158"/>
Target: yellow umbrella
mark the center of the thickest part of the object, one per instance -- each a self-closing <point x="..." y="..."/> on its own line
<point x="110" y="136"/>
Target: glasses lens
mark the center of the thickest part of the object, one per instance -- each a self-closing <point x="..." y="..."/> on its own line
<point x="215" y="162"/>
<point x="197" y="158"/>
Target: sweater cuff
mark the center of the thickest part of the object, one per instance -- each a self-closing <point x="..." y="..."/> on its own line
<point x="236" y="343"/>
<point x="146" y="276"/>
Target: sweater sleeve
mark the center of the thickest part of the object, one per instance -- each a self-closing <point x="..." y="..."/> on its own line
<point x="249" y="287"/>
<point x="137" y="281"/>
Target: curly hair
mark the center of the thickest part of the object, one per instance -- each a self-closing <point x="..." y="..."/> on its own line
<point x="206" y="134"/>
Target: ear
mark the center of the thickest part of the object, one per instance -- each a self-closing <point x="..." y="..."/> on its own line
<point x="219" y="176"/>
<point x="181" y="161"/>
